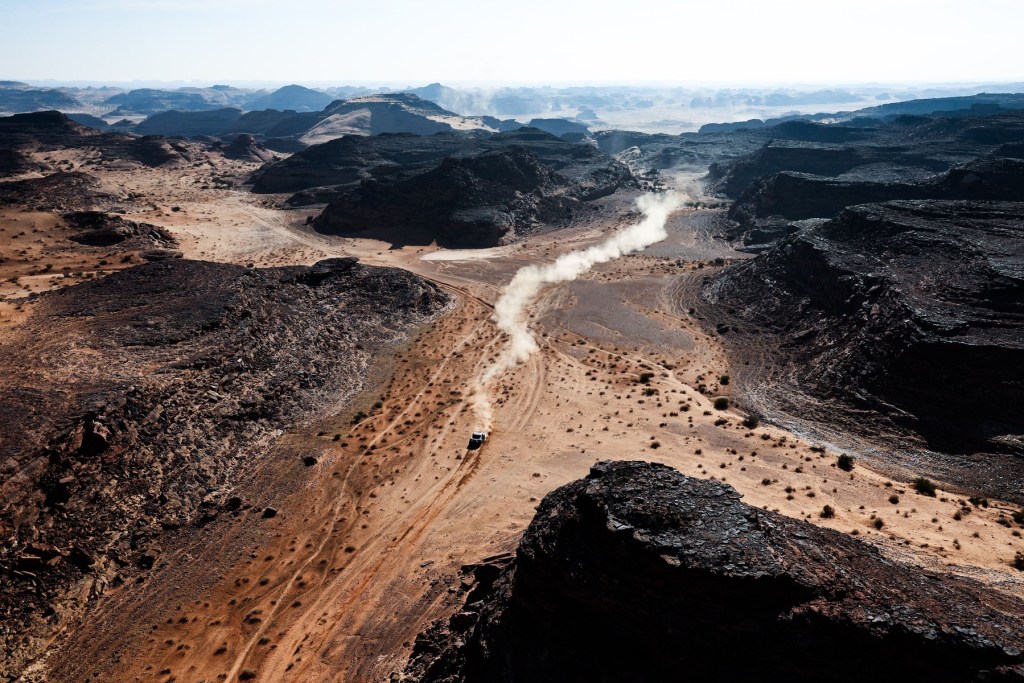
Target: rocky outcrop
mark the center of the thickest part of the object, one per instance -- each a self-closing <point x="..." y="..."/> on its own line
<point x="13" y="162"/>
<point x="245" y="148"/>
<point x="99" y="229"/>
<point x="51" y="130"/>
<point x="794" y="178"/>
<point x="487" y="192"/>
<point x="62" y="191"/>
<point x="639" y="573"/>
<point x="189" y="123"/>
<point x="474" y="202"/>
<point x="41" y="130"/>
<point x="911" y="310"/>
<point x="132" y="405"/>
<point x="350" y="159"/>
<point x="768" y="208"/>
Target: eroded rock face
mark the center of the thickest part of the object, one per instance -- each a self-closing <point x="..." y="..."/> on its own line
<point x="246" y="148"/>
<point x="911" y="311"/>
<point x="793" y="179"/>
<point x="639" y="573"/>
<point x="131" y="405"/>
<point x="100" y="229"/>
<point x="474" y="202"/>
<point x="459" y="191"/>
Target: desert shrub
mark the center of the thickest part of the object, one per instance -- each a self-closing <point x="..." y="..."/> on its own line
<point x="827" y="512"/>
<point x="924" y="486"/>
<point x="358" y="417"/>
<point x="723" y="380"/>
<point x="655" y="444"/>
<point x="1018" y="561"/>
<point x="646" y="377"/>
<point x="978" y="501"/>
<point x="844" y="462"/>
<point x="721" y="403"/>
<point x="1018" y="516"/>
<point x="751" y="421"/>
<point x="879" y="523"/>
<point x="894" y="499"/>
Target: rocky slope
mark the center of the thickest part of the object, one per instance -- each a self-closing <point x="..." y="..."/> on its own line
<point x="462" y="202"/>
<point x="789" y="179"/>
<point x="486" y="192"/>
<point x="51" y="130"/>
<point x="352" y="158"/>
<point x="131" y="404"/>
<point x="910" y="314"/>
<point x="246" y="148"/>
<point x="640" y="573"/>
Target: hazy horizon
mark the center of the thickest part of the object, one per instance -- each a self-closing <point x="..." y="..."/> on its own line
<point x="399" y="42"/>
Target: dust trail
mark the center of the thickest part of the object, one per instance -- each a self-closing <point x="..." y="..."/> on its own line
<point x="510" y="310"/>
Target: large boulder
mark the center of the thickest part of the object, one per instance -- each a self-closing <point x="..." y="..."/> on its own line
<point x="639" y="573"/>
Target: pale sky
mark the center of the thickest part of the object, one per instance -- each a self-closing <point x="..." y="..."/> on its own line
<point x="741" y="42"/>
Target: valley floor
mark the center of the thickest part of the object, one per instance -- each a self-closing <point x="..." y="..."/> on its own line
<point x="367" y="546"/>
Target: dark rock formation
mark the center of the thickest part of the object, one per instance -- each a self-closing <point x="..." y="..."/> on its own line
<point x="473" y="202"/>
<point x="13" y="162"/>
<point x="350" y="159"/>
<point x="559" y="127"/>
<point x="767" y="208"/>
<point x="99" y="229"/>
<point x="800" y="176"/>
<point x="129" y="401"/>
<point x="911" y="310"/>
<point x="51" y="130"/>
<point x="638" y="573"/>
<point x="40" y="129"/>
<point x="62" y="191"/>
<point x="189" y="123"/>
<point x="486" y="192"/>
<point x="245" y="148"/>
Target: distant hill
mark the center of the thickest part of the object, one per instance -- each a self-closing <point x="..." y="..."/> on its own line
<point x="188" y="124"/>
<point x="393" y="113"/>
<point x="16" y="98"/>
<point x="294" y="97"/>
<point x="951" y="107"/>
<point x="369" y="115"/>
<point x="152" y="101"/>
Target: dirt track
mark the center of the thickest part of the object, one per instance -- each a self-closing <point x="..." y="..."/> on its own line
<point x="367" y="546"/>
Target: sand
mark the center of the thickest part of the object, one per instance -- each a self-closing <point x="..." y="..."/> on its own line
<point x="366" y="549"/>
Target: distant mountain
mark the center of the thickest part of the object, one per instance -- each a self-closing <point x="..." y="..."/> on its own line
<point x="152" y="101"/>
<point x="973" y="105"/>
<point x="89" y="120"/>
<point x="16" y="98"/>
<point x="188" y="124"/>
<point x="294" y="97"/>
<point x="370" y="115"/>
<point x="393" y="113"/>
<point x="981" y="104"/>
